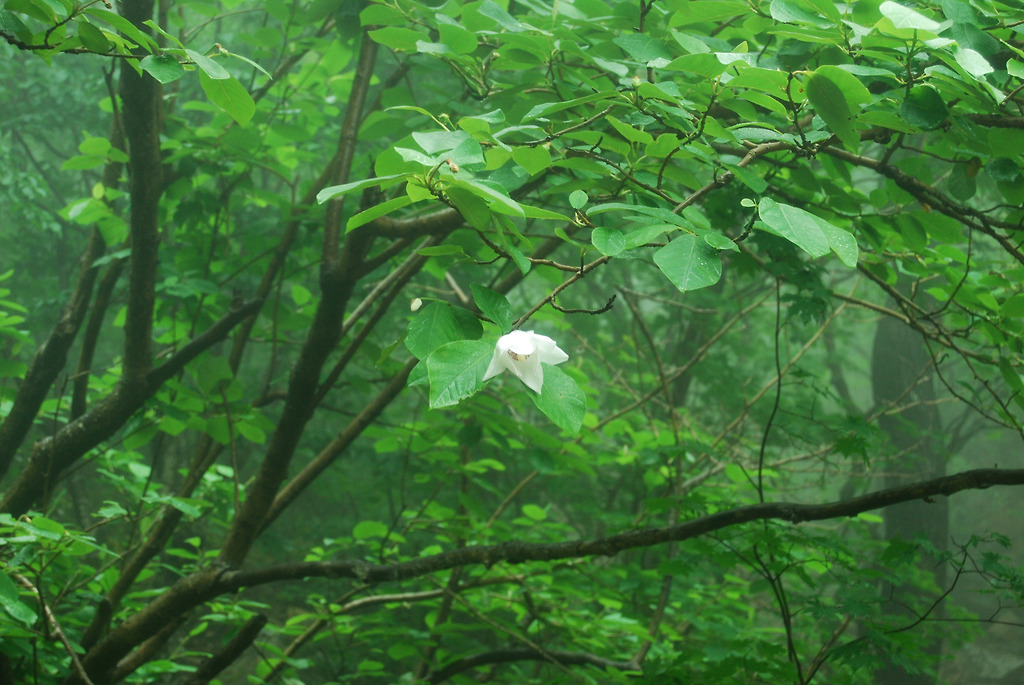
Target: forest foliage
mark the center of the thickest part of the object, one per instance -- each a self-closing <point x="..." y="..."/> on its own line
<point x="518" y="341"/>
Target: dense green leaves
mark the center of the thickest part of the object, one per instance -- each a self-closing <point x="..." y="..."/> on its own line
<point x="208" y="367"/>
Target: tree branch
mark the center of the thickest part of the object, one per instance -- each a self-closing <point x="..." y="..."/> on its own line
<point x="504" y="656"/>
<point x="53" y="454"/>
<point x="515" y="552"/>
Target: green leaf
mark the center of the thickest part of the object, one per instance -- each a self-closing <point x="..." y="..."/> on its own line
<point x="561" y="399"/>
<point x="633" y="135"/>
<point x="345" y="188"/>
<point x="923" y="108"/>
<point x="551" y="107"/>
<point x="578" y="199"/>
<point x="533" y="512"/>
<point x="12" y="604"/>
<point x="433" y="326"/>
<point x="129" y="29"/>
<point x="830" y="104"/>
<point x="642" y="47"/>
<point x="608" y="241"/>
<point x="494" y="306"/>
<point x="789" y="12"/>
<point x="689" y="262"/>
<point x="208" y="66"/>
<point x="369" y="529"/>
<point x="456" y="371"/>
<point x="903" y="17"/>
<point x="164" y="68"/>
<point x="230" y="95"/>
<point x="92" y="38"/>
<point x="10" y="23"/>
<point x="842" y="243"/>
<point x="473" y="208"/>
<point x="377" y="211"/>
<point x="799" y="227"/>
<point x="457" y="38"/>
<point x="398" y="38"/>
<point x="533" y="159"/>
<point x="720" y="242"/>
<point x="700" y="11"/>
<point x="973" y="62"/>
<point x="497" y="200"/>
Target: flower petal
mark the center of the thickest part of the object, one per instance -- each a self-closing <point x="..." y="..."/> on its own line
<point x="522" y="352"/>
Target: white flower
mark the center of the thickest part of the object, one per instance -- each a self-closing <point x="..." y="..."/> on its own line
<point x="522" y="352"/>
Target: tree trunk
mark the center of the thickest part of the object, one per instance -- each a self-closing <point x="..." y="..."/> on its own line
<point x="901" y="376"/>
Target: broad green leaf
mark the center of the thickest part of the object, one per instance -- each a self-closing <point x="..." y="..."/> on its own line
<point x="608" y="241"/>
<point x="788" y="12"/>
<point x="229" y="95"/>
<point x="552" y="107"/>
<point x="11" y="602"/>
<point x="437" y="142"/>
<point x="689" y="262"/>
<point x="578" y="199"/>
<point x="456" y="371"/>
<point x="345" y="188"/>
<point x="561" y="399"/>
<point x="973" y="62"/>
<point x="830" y="104"/>
<point x="441" y="251"/>
<point x="386" y="207"/>
<point x="1006" y="142"/>
<point x="457" y="38"/>
<point x="492" y="10"/>
<point x="700" y="11"/>
<point x="92" y="38"/>
<point x="129" y="29"/>
<point x="647" y="234"/>
<point x="433" y="326"/>
<point x="208" y="66"/>
<point x="642" y="47"/>
<point x="811" y="233"/>
<point x="799" y="227"/>
<point x="494" y="306"/>
<point x="164" y="68"/>
<point x="842" y="243"/>
<point x="398" y="38"/>
<point x="845" y="77"/>
<point x="369" y="529"/>
<point x="903" y="17"/>
<point x="633" y="135"/>
<point x="473" y="208"/>
<point x="10" y="23"/>
<point x="533" y="512"/>
<point x="720" y="242"/>
<point x="533" y="159"/>
<point x="497" y="200"/>
<point x="924" y="108"/>
<point x="531" y="212"/>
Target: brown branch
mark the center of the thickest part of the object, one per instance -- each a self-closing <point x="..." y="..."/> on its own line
<point x="204" y="585"/>
<point x="54" y="625"/>
<point x="339" y="273"/>
<point x="209" y="669"/>
<point x="337" y="447"/>
<point x="996" y="120"/>
<point x="515" y="552"/>
<point x="50" y="358"/>
<point x="53" y="454"/>
<point x="504" y="656"/>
